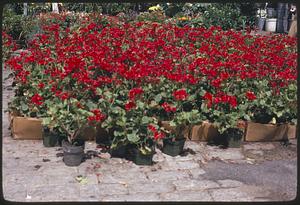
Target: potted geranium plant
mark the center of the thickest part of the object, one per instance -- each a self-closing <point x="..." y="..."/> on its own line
<point x="224" y="112"/>
<point x="70" y="116"/>
<point x="181" y="115"/>
<point x="134" y="127"/>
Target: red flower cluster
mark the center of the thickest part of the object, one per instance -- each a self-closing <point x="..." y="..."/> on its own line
<point x="156" y="134"/>
<point x="98" y="116"/>
<point x="220" y="98"/>
<point x="129" y="105"/>
<point x="250" y="95"/>
<point x="180" y="94"/>
<point x="168" y="108"/>
<point x="98" y="56"/>
<point x="37" y="99"/>
<point x="226" y="99"/>
<point x="134" y="92"/>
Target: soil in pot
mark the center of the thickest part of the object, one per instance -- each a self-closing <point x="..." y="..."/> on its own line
<point x="173" y="148"/>
<point x="50" y="138"/>
<point x="233" y="138"/>
<point x="73" y="153"/>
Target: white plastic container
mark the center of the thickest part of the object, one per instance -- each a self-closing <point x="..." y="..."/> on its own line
<point x="271" y="24"/>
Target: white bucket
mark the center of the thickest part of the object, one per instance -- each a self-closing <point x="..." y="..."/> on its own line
<point x="271" y="25"/>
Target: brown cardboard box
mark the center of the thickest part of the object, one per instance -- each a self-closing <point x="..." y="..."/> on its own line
<point x="256" y="132"/>
<point x="26" y="128"/>
<point x="186" y="132"/>
<point x="292" y="131"/>
<point x="204" y="132"/>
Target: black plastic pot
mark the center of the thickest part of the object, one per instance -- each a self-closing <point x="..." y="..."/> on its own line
<point x="140" y="159"/>
<point x="119" y="152"/>
<point x="50" y="138"/>
<point x="233" y="137"/>
<point x="173" y="148"/>
<point x="103" y="137"/>
<point x="73" y="153"/>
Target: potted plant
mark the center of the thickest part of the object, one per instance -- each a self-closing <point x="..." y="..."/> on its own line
<point x="224" y="111"/>
<point x="173" y="144"/>
<point x="70" y="119"/>
<point x="50" y="137"/>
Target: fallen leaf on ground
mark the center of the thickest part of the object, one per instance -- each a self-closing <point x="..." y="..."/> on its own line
<point x="250" y="161"/>
<point x="81" y="179"/>
<point x="124" y="183"/>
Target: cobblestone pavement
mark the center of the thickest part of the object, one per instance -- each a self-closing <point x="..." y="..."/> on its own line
<point x="254" y="172"/>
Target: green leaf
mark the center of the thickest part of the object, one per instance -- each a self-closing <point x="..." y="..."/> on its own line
<point x="117" y="133"/>
<point x="46" y="121"/>
<point x="91" y="105"/>
<point x="247" y="117"/>
<point x="172" y="123"/>
<point x="24" y="107"/>
<point x="217" y="113"/>
<point x="146" y="120"/>
<point x="133" y="137"/>
<point x="158" y="98"/>
<point x="262" y="102"/>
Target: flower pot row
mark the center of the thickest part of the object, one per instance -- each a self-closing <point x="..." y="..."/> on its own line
<point x="31" y="128"/>
<point x="24" y="128"/>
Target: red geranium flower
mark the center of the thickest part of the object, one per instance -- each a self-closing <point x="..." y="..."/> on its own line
<point x="250" y="95"/>
<point x="135" y="91"/>
<point x="168" y="108"/>
<point x="36" y="99"/>
<point x="158" y="135"/>
<point x="152" y="128"/>
<point x="180" y="94"/>
<point x="130" y="105"/>
<point x="41" y="85"/>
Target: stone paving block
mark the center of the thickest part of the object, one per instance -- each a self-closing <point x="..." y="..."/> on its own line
<point x="20" y="178"/>
<point x="224" y="154"/>
<point x="116" y="177"/>
<point x="186" y="196"/>
<point x="167" y="175"/>
<point x="60" y="168"/>
<point x="10" y="163"/>
<point x="90" y="192"/>
<point x="258" y="146"/>
<point x="54" y="193"/>
<point x="230" y="194"/>
<point x="133" y="197"/>
<point x="196" y="173"/>
<point x="150" y="187"/>
<point x="257" y="152"/>
<point x="112" y="189"/>
<point x="49" y="152"/>
<point x="187" y="164"/>
<point x="59" y="179"/>
<point x="193" y="184"/>
<point x="20" y="153"/>
<point x="229" y="183"/>
<point x="14" y="192"/>
<point x="195" y="146"/>
<point x="188" y="157"/>
<point x="158" y="157"/>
